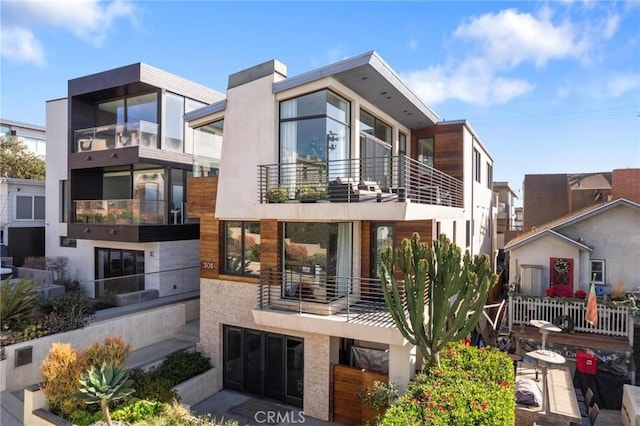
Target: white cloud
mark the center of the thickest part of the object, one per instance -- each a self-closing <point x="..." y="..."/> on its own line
<point x="20" y="45"/>
<point x="487" y="50"/>
<point x="89" y="20"/>
<point x="619" y="84"/>
<point x="508" y="38"/>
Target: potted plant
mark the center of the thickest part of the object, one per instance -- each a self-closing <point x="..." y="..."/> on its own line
<point x="277" y="195"/>
<point x="307" y="194"/>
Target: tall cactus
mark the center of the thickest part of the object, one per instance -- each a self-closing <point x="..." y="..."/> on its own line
<point x="452" y="288"/>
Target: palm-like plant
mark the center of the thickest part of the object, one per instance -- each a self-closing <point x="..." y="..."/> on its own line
<point x="17" y="301"/>
<point x="103" y="386"/>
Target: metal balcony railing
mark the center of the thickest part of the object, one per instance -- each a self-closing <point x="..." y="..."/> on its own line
<point x="120" y="212"/>
<point x="136" y="133"/>
<point x="381" y="179"/>
<point x="350" y="297"/>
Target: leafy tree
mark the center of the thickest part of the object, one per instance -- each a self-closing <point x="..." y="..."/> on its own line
<point x="442" y="295"/>
<point x="104" y="386"/>
<point x="16" y="161"/>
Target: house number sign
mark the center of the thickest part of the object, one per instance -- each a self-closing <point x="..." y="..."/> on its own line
<point x="208" y="265"/>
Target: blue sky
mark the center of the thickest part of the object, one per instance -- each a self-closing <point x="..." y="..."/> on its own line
<point x="549" y="87"/>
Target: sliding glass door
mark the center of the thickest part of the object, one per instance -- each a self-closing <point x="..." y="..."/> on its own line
<point x="265" y="364"/>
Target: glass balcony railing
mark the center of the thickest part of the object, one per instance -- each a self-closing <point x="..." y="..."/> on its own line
<point x="136" y="133"/>
<point x="120" y="212"/>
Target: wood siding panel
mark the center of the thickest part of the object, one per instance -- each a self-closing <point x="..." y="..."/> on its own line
<point x="201" y="196"/>
<point x="270" y="243"/>
<point x="449" y="147"/>
<point x="406" y="229"/>
<point x="347" y="383"/>
<point x="210" y="257"/>
<point x="365" y="249"/>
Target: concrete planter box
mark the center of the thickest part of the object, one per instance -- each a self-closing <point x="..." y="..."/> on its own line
<point x="191" y="392"/>
<point x="197" y="388"/>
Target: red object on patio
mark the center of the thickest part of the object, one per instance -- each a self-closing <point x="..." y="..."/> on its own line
<point x="586" y="362"/>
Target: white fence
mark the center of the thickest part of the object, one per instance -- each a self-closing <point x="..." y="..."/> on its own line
<point x="612" y="320"/>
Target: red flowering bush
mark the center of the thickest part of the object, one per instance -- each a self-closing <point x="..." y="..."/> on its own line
<point x="471" y="387"/>
<point x="551" y="292"/>
<point x="580" y="294"/>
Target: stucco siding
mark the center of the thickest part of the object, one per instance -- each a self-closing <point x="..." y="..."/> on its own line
<point x="539" y="252"/>
<point x="615" y="238"/>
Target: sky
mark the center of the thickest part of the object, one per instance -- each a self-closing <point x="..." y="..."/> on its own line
<point x="548" y="86"/>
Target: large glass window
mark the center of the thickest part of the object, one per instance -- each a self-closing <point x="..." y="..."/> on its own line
<point x="177" y="195"/>
<point x="477" y="172"/>
<point x="129" y="110"/>
<point x="375" y="149"/>
<point x="314" y="131"/>
<point x="426" y="151"/>
<point x="30" y="207"/>
<point x="207" y="148"/>
<point x="119" y="271"/>
<point x="174" y="123"/>
<point x="317" y="259"/>
<point x="242" y="248"/>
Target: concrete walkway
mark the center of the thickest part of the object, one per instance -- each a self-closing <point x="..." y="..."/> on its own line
<point x="250" y="411"/>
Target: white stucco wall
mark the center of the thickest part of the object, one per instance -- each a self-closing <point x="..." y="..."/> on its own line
<point x="539" y="252"/>
<point x="249" y="134"/>
<point x="615" y="238"/>
<point x="56" y="171"/>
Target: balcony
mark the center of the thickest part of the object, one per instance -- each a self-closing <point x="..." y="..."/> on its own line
<point x="120" y="212"/>
<point x="353" y="299"/>
<point x="396" y="179"/>
<point x="137" y="133"/>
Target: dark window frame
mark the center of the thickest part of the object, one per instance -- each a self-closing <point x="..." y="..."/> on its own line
<point x="242" y="272"/>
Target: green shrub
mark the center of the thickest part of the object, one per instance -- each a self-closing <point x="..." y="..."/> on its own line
<point x="153" y="388"/>
<point x="85" y="417"/>
<point x="181" y="366"/>
<point x="136" y="410"/>
<point x="17" y="303"/>
<point x="471" y="387"/>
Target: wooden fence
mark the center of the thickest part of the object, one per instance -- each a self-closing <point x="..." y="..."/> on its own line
<point x="347" y="382"/>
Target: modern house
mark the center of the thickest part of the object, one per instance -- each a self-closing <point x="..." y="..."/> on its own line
<point x="118" y="159"/>
<point x="22" y="200"/>
<point x="318" y="173"/>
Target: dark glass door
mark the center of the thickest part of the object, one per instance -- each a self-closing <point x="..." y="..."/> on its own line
<point x="294" y="372"/>
<point x="274" y="377"/>
<point x="233" y="376"/>
<point x="265" y="364"/>
<point x="254" y="363"/>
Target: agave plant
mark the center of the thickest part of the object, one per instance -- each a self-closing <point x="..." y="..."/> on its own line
<point x="103" y="386"/>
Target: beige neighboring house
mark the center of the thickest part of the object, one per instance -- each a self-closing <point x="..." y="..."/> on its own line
<point x="601" y="241"/>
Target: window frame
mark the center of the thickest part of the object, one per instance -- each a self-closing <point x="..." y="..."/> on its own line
<point x="33" y="217"/>
<point x="240" y="273"/>
<point x="603" y="271"/>
<point x="477" y="173"/>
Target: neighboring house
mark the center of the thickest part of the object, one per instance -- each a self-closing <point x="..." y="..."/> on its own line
<point x="22" y="218"/>
<point x="318" y="173"/>
<point x="117" y="165"/>
<point x="599" y="242"/>
<point x="548" y="197"/>
<point x="22" y="200"/>
<point x="33" y="136"/>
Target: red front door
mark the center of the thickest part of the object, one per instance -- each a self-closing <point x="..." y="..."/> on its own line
<point x="561" y="276"/>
